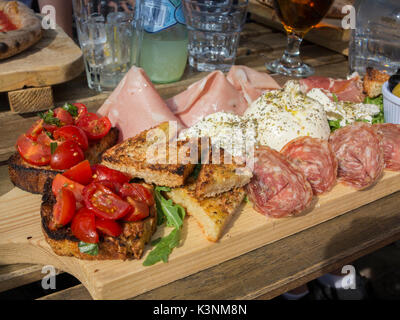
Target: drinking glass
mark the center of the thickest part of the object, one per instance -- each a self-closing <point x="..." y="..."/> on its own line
<point x="109" y="35"/>
<point x="298" y="17"/>
<point x="214" y="28"/>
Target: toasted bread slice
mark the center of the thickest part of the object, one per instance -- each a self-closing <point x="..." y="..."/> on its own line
<point x="129" y="245"/>
<point x="373" y="81"/>
<point x="32" y="178"/>
<point x="216" y="178"/>
<point x="153" y="155"/>
<point x="212" y="214"/>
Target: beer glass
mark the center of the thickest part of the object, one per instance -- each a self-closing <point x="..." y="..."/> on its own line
<point x="298" y="17"/>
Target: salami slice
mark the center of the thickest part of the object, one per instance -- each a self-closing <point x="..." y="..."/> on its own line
<point x="359" y="152"/>
<point x="390" y="134"/>
<point x="278" y="188"/>
<point x="316" y="160"/>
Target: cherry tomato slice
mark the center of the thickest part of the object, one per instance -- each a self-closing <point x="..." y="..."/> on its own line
<point x="44" y="139"/>
<point x="60" y="181"/>
<point x="140" y="210"/>
<point x="64" y="209"/>
<point x="33" y="152"/>
<point x="50" y="127"/>
<point x="72" y="133"/>
<point x="94" y="126"/>
<point x="101" y="172"/>
<point x="64" y="116"/>
<point x="137" y="192"/>
<point x="104" y="202"/>
<point x="82" y="110"/>
<point x="82" y="173"/>
<point x="108" y="227"/>
<point x="66" y="155"/>
<point x="35" y="130"/>
<point x="83" y="226"/>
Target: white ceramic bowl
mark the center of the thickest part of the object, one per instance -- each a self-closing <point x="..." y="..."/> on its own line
<point x="391" y="105"/>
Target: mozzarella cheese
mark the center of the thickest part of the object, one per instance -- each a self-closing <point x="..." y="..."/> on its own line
<point x="282" y="115"/>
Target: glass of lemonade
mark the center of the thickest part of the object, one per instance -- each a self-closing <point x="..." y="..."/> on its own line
<point x="110" y="38"/>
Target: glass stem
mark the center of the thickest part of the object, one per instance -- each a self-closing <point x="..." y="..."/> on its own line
<point x="291" y="57"/>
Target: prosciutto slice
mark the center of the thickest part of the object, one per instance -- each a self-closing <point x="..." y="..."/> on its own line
<point x="316" y="160"/>
<point x="344" y="90"/>
<point x="135" y="105"/>
<point x="278" y="188"/>
<point x="250" y="82"/>
<point x="359" y="151"/>
<point x="209" y="95"/>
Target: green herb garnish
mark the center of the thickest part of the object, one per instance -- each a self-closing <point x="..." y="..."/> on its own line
<point x="334" y="124"/>
<point x="173" y="215"/>
<point x="73" y="111"/>
<point x="335" y="98"/>
<point x="49" y="118"/>
<point x="53" y="147"/>
<point x="88" y="248"/>
<point x="380" y="117"/>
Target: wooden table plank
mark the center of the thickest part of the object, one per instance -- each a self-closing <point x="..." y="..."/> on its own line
<point x="283" y="265"/>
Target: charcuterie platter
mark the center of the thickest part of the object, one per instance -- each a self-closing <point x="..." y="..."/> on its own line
<point x="151" y="211"/>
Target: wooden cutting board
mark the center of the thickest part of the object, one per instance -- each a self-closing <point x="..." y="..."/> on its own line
<point x="54" y="59"/>
<point x="21" y="240"/>
<point x="329" y="33"/>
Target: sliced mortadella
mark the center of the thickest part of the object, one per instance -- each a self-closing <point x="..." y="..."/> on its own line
<point x="251" y="83"/>
<point x="211" y="94"/>
<point x="135" y="105"/>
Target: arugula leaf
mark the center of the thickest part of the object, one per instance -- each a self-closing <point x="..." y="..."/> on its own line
<point x="89" y="248"/>
<point x="49" y="118"/>
<point x="167" y="210"/>
<point x="163" y="248"/>
<point x="380" y="117"/>
<point x="334" y="124"/>
<point x="73" y="111"/>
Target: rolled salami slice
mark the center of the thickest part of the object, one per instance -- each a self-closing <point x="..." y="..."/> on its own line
<point x="278" y="188"/>
<point x="359" y="152"/>
<point x="316" y="160"/>
<point x="390" y="134"/>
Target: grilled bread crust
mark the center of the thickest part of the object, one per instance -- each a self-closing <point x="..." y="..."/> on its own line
<point x="32" y="178"/>
<point x="129" y="245"/>
<point x="131" y="157"/>
<point x="373" y="81"/>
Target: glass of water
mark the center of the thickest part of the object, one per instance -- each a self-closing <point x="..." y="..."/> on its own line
<point x="214" y="28"/>
<point x="109" y="35"/>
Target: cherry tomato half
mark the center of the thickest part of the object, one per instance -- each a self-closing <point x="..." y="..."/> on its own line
<point x="44" y="139"/>
<point x="137" y="192"/>
<point x="101" y="172"/>
<point x="82" y="173"/>
<point x="64" y="116"/>
<point x="94" y="126"/>
<point x="83" y="226"/>
<point x="108" y="227"/>
<point x="35" y="130"/>
<point x="33" y="152"/>
<point x="72" y="133"/>
<point x="140" y="210"/>
<point x="64" y="209"/>
<point x="66" y="155"/>
<point x="60" y="181"/>
<point x="104" y="202"/>
<point x="82" y="110"/>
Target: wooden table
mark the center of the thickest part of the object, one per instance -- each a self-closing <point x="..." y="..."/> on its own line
<point x="265" y="272"/>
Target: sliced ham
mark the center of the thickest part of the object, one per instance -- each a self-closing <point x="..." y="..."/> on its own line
<point x="391" y="144"/>
<point x="344" y="90"/>
<point x="211" y="94"/>
<point x="250" y="82"/>
<point x="316" y="160"/>
<point x="278" y="188"/>
<point x="135" y="105"/>
<point x="359" y="151"/>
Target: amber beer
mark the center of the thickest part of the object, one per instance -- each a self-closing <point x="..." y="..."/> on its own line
<point x="299" y="16"/>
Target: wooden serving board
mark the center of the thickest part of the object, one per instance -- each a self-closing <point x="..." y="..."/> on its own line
<point x="329" y="33"/>
<point x="21" y="240"/>
<point x="54" y="59"/>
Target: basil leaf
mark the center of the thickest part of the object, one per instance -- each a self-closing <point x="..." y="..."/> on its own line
<point x="73" y="111"/>
<point x="88" y="248"/>
<point x="53" y="147"/>
<point x="163" y="248"/>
